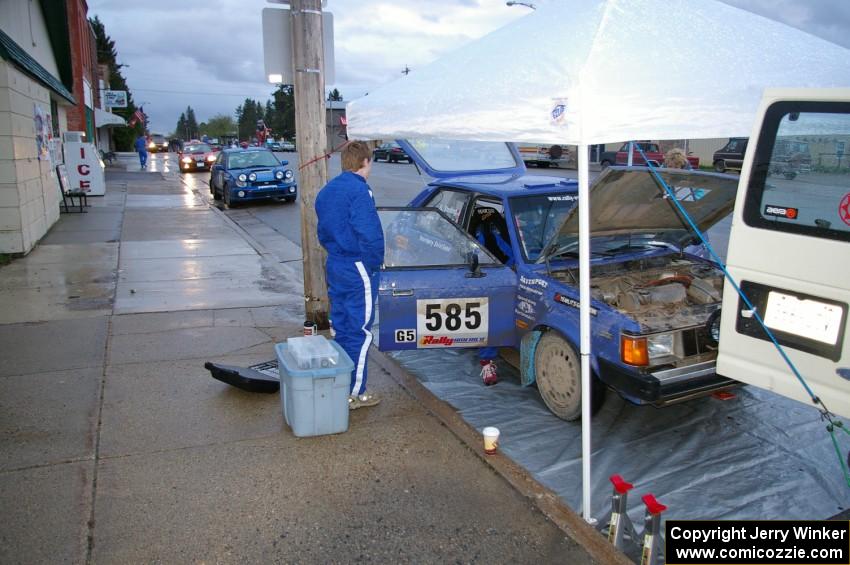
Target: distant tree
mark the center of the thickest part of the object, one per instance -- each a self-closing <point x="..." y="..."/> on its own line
<point x="283" y="120"/>
<point x="182" y="131"/>
<point x="335" y="96"/>
<point x="192" y="124"/>
<point x="218" y="126"/>
<point x="246" y="118"/>
<point x="108" y="55"/>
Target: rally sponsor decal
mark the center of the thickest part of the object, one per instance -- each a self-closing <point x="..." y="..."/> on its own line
<point x="566" y="300"/>
<point x="558" y="113"/>
<point x="562" y="198"/>
<point x="530" y="290"/>
<point x="445" y="341"/>
<point x="405" y="336"/>
<point x="452" y="322"/>
<point x="534" y="282"/>
<point x="525" y="308"/>
<point x="436" y="244"/>
<point x="844" y="209"/>
<point x="781" y="212"/>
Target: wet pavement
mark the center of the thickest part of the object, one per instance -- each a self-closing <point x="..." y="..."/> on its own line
<point x="119" y="447"/>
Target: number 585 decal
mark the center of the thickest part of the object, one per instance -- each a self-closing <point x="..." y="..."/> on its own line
<point x="452" y="322"/>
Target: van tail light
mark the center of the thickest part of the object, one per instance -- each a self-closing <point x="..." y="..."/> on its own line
<point x="633" y="351"/>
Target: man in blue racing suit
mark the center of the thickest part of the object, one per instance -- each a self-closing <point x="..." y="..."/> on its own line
<point x="350" y="231"/>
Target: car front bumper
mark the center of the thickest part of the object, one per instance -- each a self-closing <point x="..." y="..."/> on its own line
<point x="663" y="387"/>
<point x="281" y="190"/>
<point x="194" y="166"/>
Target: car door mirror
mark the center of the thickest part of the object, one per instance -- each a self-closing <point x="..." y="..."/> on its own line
<point x="474" y="266"/>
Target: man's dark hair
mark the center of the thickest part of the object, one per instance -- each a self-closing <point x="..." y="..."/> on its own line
<point x="353" y="155"/>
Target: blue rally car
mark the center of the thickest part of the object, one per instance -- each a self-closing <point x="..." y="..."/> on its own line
<point x="485" y="255"/>
<point x="241" y="175"/>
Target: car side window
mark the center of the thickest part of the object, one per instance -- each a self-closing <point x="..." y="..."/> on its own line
<point x="488" y="226"/>
<point x="452" y="203"/>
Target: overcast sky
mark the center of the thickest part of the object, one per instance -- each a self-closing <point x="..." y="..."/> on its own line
<point x="209" y="55"/>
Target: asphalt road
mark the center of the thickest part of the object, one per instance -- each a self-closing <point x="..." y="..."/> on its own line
<point x="393" y="184"/>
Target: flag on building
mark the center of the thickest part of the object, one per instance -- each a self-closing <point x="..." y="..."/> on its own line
<point x="138" y="116"/>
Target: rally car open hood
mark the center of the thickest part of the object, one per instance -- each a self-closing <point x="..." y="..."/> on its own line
<point x="448" y="158"/>
<point x="632" y="201"/>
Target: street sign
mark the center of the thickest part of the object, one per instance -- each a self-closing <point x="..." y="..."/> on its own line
<point x="115" y="98"/>
<point x="277" y="46"/>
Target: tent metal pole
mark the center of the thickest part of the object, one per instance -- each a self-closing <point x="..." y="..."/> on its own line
<point x="584" y="326"/>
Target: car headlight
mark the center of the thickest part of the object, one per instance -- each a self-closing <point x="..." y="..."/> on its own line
<point x="241" y="183"/>
<point x="278" y="175"/>
<point x="242" y="178"/>
<point x="211" y="158"/>
<point x="291" y="189"/>
<point x="151" y="145"/>
<point x="288" y="175"/>
<point x="252" y="177"/>
<point x="187" y="159"/>
<point x="660" y="345"/>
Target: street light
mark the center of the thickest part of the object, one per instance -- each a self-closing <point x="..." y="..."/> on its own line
<point x="526" y="4"/>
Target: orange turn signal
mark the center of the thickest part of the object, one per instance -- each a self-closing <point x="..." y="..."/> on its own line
<point x="633" y="351"/>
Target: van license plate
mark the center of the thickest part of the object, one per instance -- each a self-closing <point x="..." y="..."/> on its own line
<point x="806" y="318"/>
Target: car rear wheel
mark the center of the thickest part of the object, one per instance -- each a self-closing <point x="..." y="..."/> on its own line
<point x="720" y="166"/>
<point x="606" y="163"/>
<point x="557" y="369"/>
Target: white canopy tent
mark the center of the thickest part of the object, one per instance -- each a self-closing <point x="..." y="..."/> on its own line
<point x="583" y="72"/>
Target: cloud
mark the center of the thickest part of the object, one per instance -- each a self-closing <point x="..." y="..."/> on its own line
<point x="214" y="50"/>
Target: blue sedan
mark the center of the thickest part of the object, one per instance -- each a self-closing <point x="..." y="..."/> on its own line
<point x="241" y="175"/>
<point x="488" y="256"/>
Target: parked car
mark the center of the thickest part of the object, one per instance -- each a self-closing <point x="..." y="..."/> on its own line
<point x="652" y="151"/>
<point x="391" y="153"/>
<point x="544" y="156"/>
<point x="485" y="256"/>
<point x="196" y="156"/>
<point x="274" y="146"/>
<point x="157" y="143"/>
<point x="731" y="155"/>
<point x="241" y="175"/>
<point x="287" y="146"/>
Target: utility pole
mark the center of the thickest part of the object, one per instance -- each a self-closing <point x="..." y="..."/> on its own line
<point x="311" y="137"/>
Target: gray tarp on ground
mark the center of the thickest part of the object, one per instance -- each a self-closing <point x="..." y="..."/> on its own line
<point x="757" y="456"/>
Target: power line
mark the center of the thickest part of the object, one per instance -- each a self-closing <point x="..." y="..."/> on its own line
<point x="242" y="95"/>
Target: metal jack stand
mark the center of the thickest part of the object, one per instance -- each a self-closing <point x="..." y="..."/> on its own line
<point x="651" y="530"/>
<point x="621" y="531"/>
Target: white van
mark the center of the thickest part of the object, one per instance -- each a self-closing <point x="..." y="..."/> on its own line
<point x="789" y="250"/>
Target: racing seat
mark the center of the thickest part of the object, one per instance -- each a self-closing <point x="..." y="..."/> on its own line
<point x="489" y="225"/>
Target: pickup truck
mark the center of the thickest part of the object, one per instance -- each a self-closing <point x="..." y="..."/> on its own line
<point x="543" y="156"/>
<point x="653" y="154"/>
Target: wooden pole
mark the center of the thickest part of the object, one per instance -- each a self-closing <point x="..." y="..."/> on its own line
<point x="311" y="137"/>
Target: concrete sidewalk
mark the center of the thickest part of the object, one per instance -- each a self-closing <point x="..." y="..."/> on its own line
<point x="119" y="447"/>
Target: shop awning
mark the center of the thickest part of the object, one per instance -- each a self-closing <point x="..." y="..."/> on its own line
<point x="106" y="119"/>
<point x="11" y="51"/>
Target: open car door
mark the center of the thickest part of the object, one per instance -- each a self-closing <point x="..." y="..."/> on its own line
<point x="439" y="287"/>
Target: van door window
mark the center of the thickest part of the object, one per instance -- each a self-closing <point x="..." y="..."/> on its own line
<point x="801" y="174"/>
<point x="452" y="203"/>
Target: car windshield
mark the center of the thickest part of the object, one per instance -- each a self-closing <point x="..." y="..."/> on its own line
<point x="537" y="219"/>
<point x="198" y="148"/>
<point x="248" y="159"/>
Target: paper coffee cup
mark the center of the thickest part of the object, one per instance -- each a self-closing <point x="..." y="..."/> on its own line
<point x="491" y="439"/>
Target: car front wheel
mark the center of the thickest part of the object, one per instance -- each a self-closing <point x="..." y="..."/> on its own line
<point x="557" y="369"/>
<point x="605" y="163"/>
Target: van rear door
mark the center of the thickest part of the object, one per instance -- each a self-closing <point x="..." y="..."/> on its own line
<point x="789" y="250"/>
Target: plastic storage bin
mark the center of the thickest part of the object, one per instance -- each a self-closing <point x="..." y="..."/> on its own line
<point x="312" y="352"/>
<point x="314" y="401"/>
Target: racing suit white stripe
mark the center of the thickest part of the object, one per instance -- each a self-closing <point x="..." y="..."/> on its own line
<point x="364" y="349"/>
